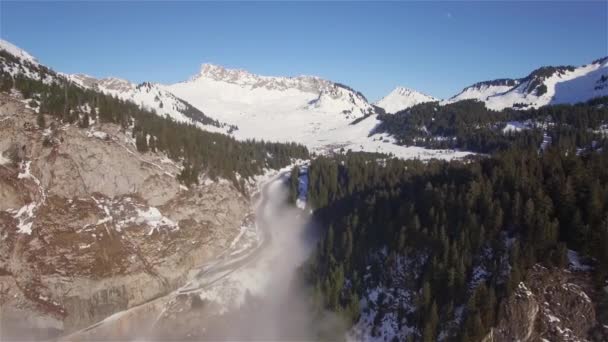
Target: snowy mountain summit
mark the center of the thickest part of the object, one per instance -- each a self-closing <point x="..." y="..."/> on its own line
<point x="246" y="79"/>
<point x="402" y="98"/>
<point x="298" y="93"/>
<point x="268" y="106"/>
<point x="17" y="52"/>
<point x="546" y="85"/>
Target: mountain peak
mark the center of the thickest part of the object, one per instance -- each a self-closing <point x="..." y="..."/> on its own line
<point x="402" y="98"/>
<point x="403" y="90"/>
<point x="17" y="52"/>
<point x="117" y="84"/>
<point x="221" y="73"/>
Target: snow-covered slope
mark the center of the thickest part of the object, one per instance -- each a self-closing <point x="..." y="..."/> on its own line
<point x="151" y="97"/>
<point x="238" y="91"/>
<point x="403" y="98"/>
<point x="17" y="52"/>
<point x="482" y="90"/>
<point x="556" y="85"/>
<point x="544" y="86"/>
<point x="323" y="115"/>
<point x="16" y="61"/>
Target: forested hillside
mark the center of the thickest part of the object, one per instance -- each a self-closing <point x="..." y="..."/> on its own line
<point x="471" y="231"/>
<point x="469" y="125"/>
<point x="212" y="154"/>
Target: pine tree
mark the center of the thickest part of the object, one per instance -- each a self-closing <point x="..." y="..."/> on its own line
<point x="141" y="143"/>
<point x="41" y="121"/>
<point x="293" y="185"/>
<point x="84" y="121"/>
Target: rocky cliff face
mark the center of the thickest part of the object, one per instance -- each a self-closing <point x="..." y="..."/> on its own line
<point x="551" y="305"/>
<point x="89" y="226"/>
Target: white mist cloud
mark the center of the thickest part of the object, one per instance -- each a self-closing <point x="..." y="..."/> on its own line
<point x="262" y="299"/>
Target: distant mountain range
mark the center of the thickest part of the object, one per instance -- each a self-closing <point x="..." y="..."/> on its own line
<point x="323" y="115"/>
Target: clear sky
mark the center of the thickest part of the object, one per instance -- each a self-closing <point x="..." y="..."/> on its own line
<point x="434" y="47"/>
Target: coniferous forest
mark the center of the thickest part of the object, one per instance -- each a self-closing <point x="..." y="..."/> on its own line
<point x="469" y="125"/>
<point x="519" y="207"/>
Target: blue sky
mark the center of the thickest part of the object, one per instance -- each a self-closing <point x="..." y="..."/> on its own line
<point x="434" y="47"/>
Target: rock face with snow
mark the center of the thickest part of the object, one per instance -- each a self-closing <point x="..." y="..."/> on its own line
<point x="544" y="86"/>
<point x="551" y="305"/>
<point x="403" y="98"/>
<point x="301" y="92"/>
<point x="89" y="226"/>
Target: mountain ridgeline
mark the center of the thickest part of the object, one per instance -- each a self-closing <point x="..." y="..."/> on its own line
<point x="213" y="154"/>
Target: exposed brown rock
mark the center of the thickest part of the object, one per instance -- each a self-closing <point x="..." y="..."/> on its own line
<point x="110" y="228"/>
<point x="551" y="305"/>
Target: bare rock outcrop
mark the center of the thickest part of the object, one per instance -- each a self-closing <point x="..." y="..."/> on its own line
<point x="89" y="226"/>
<point x="551" y="305"/>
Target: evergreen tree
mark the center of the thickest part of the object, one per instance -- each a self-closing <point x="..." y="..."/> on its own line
<point x="41" y="121"/>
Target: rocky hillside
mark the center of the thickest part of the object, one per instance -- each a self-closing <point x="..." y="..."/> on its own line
<point x="89" y="226"/>
<point x="551" y="305"/>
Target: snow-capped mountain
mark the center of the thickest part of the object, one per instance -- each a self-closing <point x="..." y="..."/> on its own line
<point x="16" y="61"/>
<point x="147" y="95"/>
<point x="482" y="90"/>
<point x="544" y="86"/>
<point x="323" y="115"/>
<point x="17" y="52"/>
<point x="403" y="98"/>
<point x="246" y="92"/>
